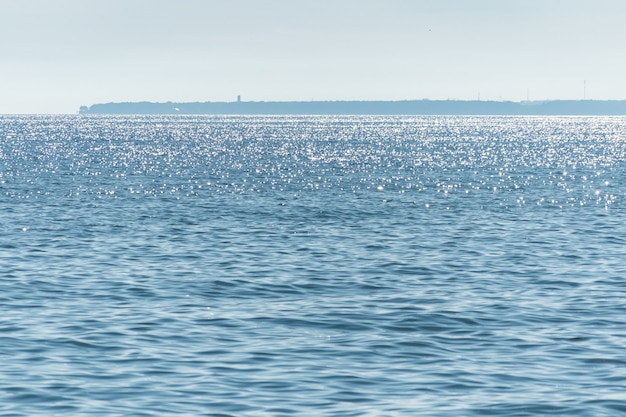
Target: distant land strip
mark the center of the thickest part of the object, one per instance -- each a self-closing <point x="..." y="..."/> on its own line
<point x="406" y="107"/>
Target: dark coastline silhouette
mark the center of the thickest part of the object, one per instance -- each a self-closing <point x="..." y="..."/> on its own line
<point x="406" y="107"/>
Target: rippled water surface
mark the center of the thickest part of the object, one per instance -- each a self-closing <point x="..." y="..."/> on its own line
<point x="329" y="266"/>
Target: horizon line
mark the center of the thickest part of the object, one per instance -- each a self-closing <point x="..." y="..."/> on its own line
<point x="475" y="100"/>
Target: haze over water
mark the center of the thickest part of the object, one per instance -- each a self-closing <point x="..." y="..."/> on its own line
<point x="331" y="266"/>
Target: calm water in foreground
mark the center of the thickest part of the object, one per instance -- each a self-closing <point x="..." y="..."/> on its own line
<point x="312" y="266"/>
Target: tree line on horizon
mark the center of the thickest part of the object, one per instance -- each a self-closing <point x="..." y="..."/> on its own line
<point x="405" y="107"/>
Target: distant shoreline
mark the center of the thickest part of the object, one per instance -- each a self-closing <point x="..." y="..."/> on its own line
<point x="405" y="107"/>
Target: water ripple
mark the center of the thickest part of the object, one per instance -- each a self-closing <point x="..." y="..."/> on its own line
<point x="336" y="266"/>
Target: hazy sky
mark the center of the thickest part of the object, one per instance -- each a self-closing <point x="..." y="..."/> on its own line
<point x="56" y="55"/>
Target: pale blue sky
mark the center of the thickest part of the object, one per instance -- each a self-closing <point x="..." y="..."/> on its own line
<point x="56" y="55"/>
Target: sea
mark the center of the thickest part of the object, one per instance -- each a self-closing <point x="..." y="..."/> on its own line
<point x="196" y="265"/>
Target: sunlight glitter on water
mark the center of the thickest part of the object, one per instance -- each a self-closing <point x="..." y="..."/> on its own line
<point x="246" y="266"/>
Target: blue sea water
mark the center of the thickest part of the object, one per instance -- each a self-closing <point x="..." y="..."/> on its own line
<point x="313" y="266"/>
